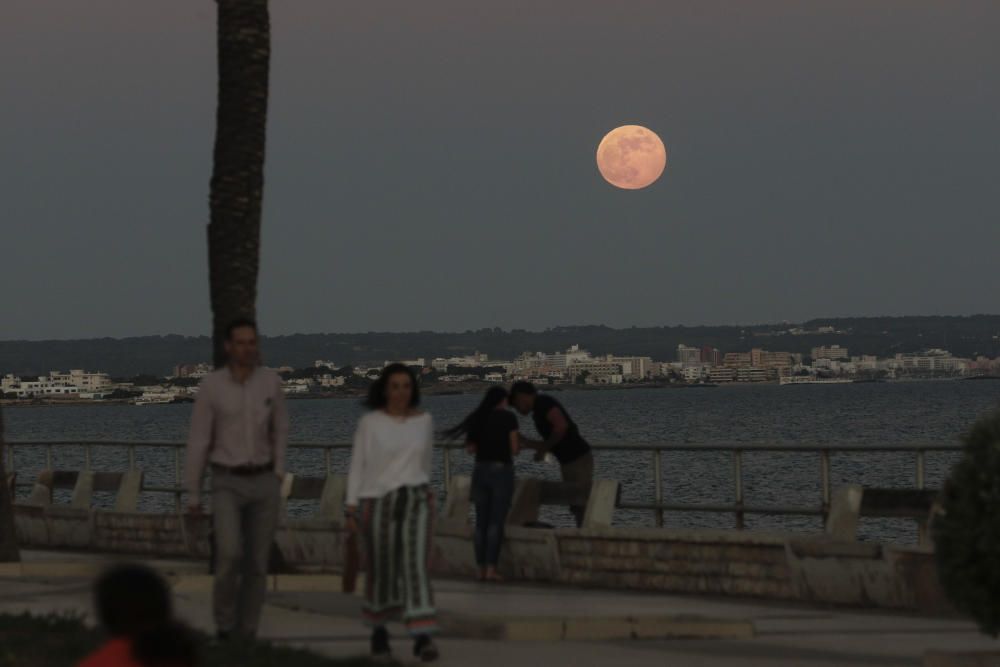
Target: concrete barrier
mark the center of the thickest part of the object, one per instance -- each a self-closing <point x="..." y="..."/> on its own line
<point x="719" y="562"/>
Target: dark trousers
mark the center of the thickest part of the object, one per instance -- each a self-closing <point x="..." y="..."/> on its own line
<point x="492" y="491"/>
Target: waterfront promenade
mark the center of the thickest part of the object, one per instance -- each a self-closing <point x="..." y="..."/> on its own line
<point x="544" y="625"/>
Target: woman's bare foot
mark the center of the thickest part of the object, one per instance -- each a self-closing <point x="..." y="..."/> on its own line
<point x="481" y="575"/>
<point x="493" y="575"/>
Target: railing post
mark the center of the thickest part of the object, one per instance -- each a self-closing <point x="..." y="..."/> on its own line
<point x="177" y="479"/>
<point x="10" y="458"/>
<point x="131" y="457"/>
<point x="327" y="460"/>
<point x="447" y="468"/>
<point x="920" y="469"/>
<point x="738" y="482"/>
<point x="86" y="457"/>
<point x="658" y="476"/>
<point x="922" y="537"/>
<point x="824" y="465"/>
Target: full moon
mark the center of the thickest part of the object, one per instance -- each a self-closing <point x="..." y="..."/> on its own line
<point x="631" y="157"/>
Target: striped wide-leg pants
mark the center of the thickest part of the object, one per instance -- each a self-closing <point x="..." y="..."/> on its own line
<point x="398" y="530"/>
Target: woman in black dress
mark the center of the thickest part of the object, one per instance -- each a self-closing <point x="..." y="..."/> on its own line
<point x="491" y="432"/>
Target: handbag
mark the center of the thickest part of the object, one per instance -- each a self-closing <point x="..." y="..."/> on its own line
<point x="352" y="562"/>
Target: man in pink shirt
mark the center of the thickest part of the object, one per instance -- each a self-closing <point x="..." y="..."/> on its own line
<point x="239" y="427"/>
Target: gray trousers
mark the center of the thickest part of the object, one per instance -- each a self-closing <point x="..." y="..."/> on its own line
<point x="244" y="518"/>
<point x="580" y="473"/>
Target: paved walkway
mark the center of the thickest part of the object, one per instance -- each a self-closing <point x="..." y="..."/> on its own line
<point x="785" y="635"/>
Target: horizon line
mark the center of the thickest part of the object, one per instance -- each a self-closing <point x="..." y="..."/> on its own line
<point x="517" y="329"/>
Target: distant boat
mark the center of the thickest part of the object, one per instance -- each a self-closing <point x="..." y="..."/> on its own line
<point x="153" y="400"/>
<point x="809" y="379"/>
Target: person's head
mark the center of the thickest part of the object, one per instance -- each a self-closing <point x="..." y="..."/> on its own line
<point x="396" y="390"/>
<point x="495" y="399"/>
<point x="241" y="343"/>
<point x="522" y="396"/>
<point x="132" y="600"/>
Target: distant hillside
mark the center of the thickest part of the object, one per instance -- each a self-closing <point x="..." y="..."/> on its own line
<point x="882" y="336"/>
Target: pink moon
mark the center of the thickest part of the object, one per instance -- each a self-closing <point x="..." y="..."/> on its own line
<point x="631" y="157"/>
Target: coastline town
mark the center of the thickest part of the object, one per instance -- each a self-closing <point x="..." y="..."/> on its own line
<point x="572" y="368"/>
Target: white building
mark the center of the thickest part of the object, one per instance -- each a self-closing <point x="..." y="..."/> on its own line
<point x="688" y="356"/>
<point x="42" y="387"/>
<point x="695" y="373"/>
<point x="298" y="386"/>
<point x="477" y="360"/>
<point x="329" y="381"/>
<point x="325" y="363"/>
<point x="496" y="378"/>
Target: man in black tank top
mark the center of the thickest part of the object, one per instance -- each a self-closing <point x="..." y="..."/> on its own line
<point x="562" y="438"/>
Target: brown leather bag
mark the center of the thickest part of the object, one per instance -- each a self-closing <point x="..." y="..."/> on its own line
<point x="352" y="562"/>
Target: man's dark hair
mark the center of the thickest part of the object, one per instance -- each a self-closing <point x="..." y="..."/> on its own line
<point x="239" y="323"/>
<point x="377" y="392"/>
<point x="523" y="387"/>
<point x="132" y="600"/>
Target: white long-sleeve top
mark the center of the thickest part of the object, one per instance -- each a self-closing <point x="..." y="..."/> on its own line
<point x="389" y="453"/>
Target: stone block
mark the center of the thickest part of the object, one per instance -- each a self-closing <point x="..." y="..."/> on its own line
<point x="83" y="491"/>
<point x="129" y="488"/>
<point x="526" y="502"/>
<point x="601" y="503"/>
<point x="845" y="508"/>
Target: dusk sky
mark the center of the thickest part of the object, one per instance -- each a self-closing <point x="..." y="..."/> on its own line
<point x="430" y="165"/>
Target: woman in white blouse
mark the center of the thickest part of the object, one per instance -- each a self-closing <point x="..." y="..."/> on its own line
<point x="390" y="502"/>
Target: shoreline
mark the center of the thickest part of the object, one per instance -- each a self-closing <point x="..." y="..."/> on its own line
<point x="465" y="389"/>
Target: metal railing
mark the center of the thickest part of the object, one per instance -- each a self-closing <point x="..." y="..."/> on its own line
<point x="738" y="508"/>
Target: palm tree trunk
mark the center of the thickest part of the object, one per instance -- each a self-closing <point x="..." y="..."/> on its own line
<point x="244" y="46"/>
<point x="8" y="537"/>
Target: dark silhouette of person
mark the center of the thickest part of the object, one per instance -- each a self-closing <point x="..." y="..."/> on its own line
<point x="561" y="437"/>
<point x="134" y="607"/>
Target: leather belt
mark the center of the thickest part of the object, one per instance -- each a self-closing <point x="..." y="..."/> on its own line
<point x="244" y="470"/>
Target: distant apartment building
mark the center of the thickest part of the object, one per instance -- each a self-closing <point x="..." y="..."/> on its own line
<point x="298" y="386"/>
<point x="42" y="387"/>
<point x="688" y="356"/>
<point x="753" y="374"/>
<point x="984" y="366"/>
<point x="835" y="352"/>
<point x="329" y="381"/>
<point x="415" y="363"/>
<point x="563" y="360"/>
<point x="325" y="363"/>
<point x="192" y="370"/>
<point x="633" y="368"/>
<point x="929" y="361"/>
<point x="82" y="380"/>
<point x="777" y="364"/>
<point x="594" y="369"/>
<point x="711" y="356"/>
<point x="695" y="373"/>
<point x="736" y="359"/>
<point x="721" y="374"/>
<point x="773" y="364"/>
<point x="477" y="360"/>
